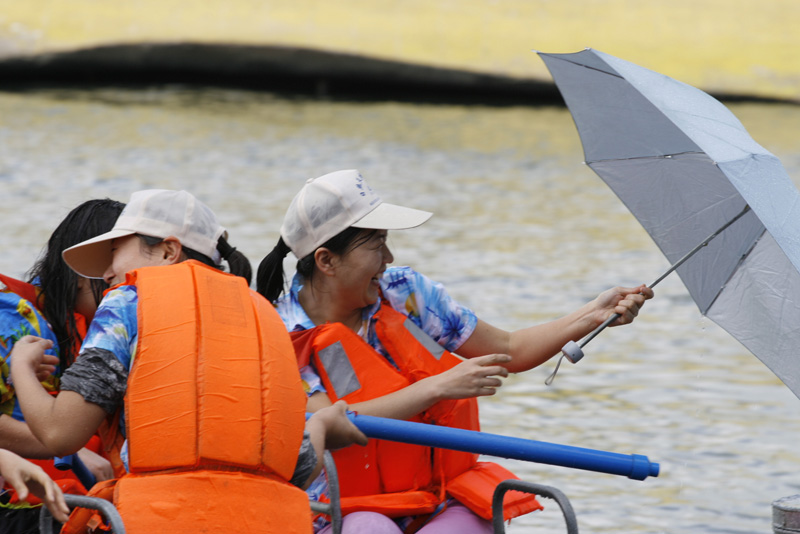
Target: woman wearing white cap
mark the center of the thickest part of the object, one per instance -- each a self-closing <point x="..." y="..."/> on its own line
<point x="203" y="370"/>
<point x="337" y="226"/>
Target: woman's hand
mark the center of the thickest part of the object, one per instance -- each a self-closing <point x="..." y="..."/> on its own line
<point x="96" y="464"/>
<point x="329" y="428"/>
<point x="476" y="377"/>
<point x="338" y="429"/>
<point x="28" y="351"/>
<point x="25" y="476"/>
<point x="626" y="301"/>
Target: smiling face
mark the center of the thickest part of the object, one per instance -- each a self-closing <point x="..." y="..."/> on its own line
<point x="129" y="253"/>
<point x="359" y="270"/>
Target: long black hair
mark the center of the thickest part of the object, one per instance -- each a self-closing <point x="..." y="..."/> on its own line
<point x="238" y="263"/>
<point x="270" y="279"/>
<point x="58" y="282"/>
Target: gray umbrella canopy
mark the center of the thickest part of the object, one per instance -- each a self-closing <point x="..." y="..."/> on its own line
<point x="684" y="165"/>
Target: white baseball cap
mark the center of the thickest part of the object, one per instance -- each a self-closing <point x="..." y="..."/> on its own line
<point x="336" y="201"/>
<point x="157" y="213"/>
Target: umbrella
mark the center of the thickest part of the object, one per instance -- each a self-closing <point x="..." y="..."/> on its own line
<point x="716" y="203"/>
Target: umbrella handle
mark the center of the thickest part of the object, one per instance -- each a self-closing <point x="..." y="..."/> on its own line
<point x="574" y="352"/>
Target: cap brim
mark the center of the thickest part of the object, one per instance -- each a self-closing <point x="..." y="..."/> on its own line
<point x="92" y="257"/>
<point x="392" y="217"/>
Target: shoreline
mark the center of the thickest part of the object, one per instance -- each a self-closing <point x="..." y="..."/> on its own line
<point x="732" y="49"/>
<point x="283" y="70"/>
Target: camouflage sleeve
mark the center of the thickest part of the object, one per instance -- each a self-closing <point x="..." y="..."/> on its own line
<point x="99" y="377"/>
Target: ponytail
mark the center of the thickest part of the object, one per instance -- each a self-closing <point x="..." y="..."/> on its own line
<point x="237" y="262"/>
<point x="270" y="278"/>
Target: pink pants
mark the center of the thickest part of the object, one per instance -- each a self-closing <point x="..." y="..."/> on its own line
<point x="456" y="519"/>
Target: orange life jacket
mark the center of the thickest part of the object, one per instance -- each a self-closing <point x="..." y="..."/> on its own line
<point x="399" y="479"/>
<point x="214" y="409"/>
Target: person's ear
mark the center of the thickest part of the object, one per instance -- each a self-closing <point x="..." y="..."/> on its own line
<point x="325" y="260"/>
<point x="171" y="250"/>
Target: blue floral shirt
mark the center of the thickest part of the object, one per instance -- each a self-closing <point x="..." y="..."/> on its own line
<point x="100" y="375"/>
<point x="115" y="326"/>
<point x="18" y="318"/>
<point x="422" y="300"/>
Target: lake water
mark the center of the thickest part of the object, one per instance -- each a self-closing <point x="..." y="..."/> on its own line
<point x="523" y="232"/>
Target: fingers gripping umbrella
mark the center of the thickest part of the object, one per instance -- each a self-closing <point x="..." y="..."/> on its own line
<point x="717" y="204"/>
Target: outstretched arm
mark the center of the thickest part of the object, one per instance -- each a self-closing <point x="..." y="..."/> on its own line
<point x="532" y="346"/>
<point x="16" y="436"/>
<point x="63" y="424"/>
<point x="96" y="464"/>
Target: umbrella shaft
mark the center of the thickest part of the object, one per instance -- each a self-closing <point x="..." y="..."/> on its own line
<point x="669" y="271"/>
<point x="600" y="329"/>
<point x="701" y="245"/>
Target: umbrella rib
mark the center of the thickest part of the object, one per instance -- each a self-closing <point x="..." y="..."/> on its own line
<point x="596" y="69"/>
<point x="661" y="156"/>
<point x="733" y="271"/>
<point x="701" y="245"/>
<point x="582" y="64"/>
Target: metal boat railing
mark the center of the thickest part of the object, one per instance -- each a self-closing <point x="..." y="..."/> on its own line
<point x="333" y="507"/>
<point x="106" y="509"/>
<point x="539" y="490"/>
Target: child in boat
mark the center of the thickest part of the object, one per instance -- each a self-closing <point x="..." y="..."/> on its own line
<point x="347" y="299"/>
<point x="214" y="411"/>
<point x="56" y="304"/>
